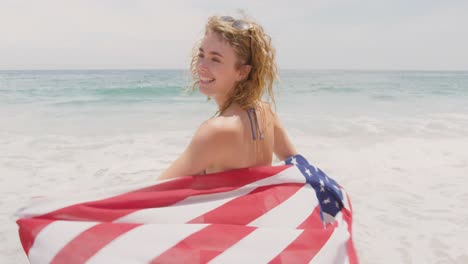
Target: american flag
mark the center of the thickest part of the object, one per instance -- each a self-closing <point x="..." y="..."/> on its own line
<point x="290" y="212"/>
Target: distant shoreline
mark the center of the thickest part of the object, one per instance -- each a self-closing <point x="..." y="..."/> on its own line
<point x="181" y="69"/>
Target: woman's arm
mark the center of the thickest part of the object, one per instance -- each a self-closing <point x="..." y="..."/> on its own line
<point x="203" y="150"/>
<point x="283" y="148"/>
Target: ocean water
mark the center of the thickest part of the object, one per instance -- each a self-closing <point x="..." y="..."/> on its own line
<point x="396" y="140"/>
<point x="325" y="103"/>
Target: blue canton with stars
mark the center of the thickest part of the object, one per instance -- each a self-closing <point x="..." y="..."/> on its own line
<point x="328" y="192"/>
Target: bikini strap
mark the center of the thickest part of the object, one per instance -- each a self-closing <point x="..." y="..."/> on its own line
<point x="254" y="135"/>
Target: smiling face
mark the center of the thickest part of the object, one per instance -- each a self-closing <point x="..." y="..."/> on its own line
<point x="218" y="67"/>
<point x="232" y="65"/>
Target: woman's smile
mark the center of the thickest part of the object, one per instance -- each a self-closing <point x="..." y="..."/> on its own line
<point x="206" y="80"/>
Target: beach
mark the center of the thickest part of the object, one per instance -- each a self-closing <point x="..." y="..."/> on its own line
<point x="395" y="140"/>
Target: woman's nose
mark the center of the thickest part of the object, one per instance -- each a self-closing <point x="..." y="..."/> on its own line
<point x="201" y="65"/>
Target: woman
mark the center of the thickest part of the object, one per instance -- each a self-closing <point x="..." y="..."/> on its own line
<point x="234" y="65"/>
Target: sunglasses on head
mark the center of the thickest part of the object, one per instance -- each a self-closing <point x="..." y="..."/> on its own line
<point x="236" y="23"/>
<point x="240" y="25"/>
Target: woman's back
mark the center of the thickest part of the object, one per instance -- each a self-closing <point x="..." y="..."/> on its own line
<point x="253" y="143"/>
<point x="245" y="151"/>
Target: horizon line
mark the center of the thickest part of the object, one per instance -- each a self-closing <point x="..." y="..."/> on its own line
<point x="285" y="69"/>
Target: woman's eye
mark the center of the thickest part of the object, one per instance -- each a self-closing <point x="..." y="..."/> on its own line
<point x="216" y="60"/>
<point x="200" y="55"/>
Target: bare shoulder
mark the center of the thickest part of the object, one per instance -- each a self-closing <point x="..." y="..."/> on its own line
<point x="282" y="146"/>
<point x="203" y="149"/>
<point x="268" y="108"/>
<point x="215" y="130"/>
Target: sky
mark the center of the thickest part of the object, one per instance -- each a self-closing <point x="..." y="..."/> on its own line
<point x="322" y="34"/>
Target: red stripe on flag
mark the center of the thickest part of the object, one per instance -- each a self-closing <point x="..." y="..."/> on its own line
<point x="304" y="248"/>
<point x="164" y="194"/>
<point x="313" y="221"/>
<point x="204" y="245"/>
<point x="246" y="208"/>
<point x="29" y="228"/>
<point x="86" y="244"/>
<point x="350" y="249"/>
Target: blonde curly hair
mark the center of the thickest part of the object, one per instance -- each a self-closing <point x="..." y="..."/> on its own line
<point x="252" y="47"/>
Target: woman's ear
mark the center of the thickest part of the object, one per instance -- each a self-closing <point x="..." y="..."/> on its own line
<point x="244" y="72"/>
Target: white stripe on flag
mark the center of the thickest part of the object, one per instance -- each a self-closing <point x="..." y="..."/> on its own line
<point x="53" y="238"/>
<point x="143" y="243"/>
<point x="292" y="212"/>
<point x="195" y="206"/>
<point x="346" y="261"/>
<point x="260" y="246"/>
<point x="334" y="250"/>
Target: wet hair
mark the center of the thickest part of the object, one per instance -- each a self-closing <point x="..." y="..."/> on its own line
<point x="264" y="71"/>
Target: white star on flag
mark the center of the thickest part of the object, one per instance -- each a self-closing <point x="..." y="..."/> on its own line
<point x="308" y="172"/>
<point x="293" y="161"/>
